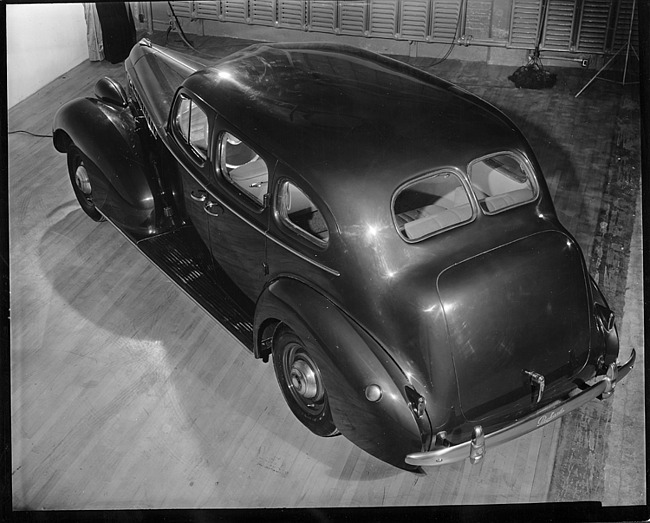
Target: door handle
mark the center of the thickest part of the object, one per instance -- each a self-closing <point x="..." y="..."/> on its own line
<point x="213" y="209"/>
<point x="199" y="196"/>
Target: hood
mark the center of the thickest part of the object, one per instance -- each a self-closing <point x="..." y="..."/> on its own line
<point x="157" y="73"/>
<point x="519" y="309"/>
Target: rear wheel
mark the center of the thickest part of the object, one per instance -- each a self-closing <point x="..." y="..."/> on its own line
<point x="302" y="384"/>
<point x="78" y="171"/>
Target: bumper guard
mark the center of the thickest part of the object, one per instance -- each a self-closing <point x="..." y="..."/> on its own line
<point x="475" y="448"/>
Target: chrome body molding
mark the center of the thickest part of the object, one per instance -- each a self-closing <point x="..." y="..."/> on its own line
<point x="325" y="268"/>
<point x="476" y="448"/>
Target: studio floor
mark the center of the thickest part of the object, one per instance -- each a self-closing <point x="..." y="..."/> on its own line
<point x="126" y="395"/>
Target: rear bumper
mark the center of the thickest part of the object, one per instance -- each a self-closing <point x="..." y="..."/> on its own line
<point x="476" y="447"/>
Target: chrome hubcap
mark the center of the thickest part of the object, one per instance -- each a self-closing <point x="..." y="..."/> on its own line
<point x="82" y="181"/>
<point x="304" y="379"/>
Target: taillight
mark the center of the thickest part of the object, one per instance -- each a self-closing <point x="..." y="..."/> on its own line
<point x="605" y="317"/>
<point x="416" y="401"/>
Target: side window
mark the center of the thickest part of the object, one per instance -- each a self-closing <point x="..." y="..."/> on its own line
<point x="243" y="167"/>
<point x="501" y="181"/>
<point x="431" y="204"/>
<point x="192" y="125"/>
<point x="300" y="214"/>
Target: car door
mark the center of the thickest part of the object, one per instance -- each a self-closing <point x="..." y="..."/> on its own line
<point x="237" y="208"/>
<point x="190" y="132"/>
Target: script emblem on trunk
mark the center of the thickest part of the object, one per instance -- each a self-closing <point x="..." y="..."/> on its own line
<point x="537" y="384"/>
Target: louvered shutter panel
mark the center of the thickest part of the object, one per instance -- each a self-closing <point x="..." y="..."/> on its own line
<point x="353" y="18"/>
<point x="623" y="19"/>
<point x="478" y="18"/>
<point x="291" y="14"/>
<point x="413" y="19"/>
<point x="559" y="25"/>
<point x="444" y="20"/>
<point x="524" y="23"/>
<point x="322" y="16"/>
<point x="234" y="10"/>
<point x="594" y="23"/>
<point x="207" y="10"/>
<point x="182" y="9"/>
<point x="383" y="18"/>
<point x="262" y="12"/>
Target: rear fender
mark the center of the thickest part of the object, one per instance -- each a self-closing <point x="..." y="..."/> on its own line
<point x="350" y="360"/>
<point x="107" y="136"/>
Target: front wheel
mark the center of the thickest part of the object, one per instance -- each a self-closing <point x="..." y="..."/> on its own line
<point x="78" y="171"/>
<point x="302" y="384"/>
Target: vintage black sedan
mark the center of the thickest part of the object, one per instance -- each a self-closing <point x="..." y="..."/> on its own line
<point x="385" y="237"/>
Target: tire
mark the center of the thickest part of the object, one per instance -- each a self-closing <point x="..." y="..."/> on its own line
<point x="77" y="169"/>
<point x="301" y="383"/>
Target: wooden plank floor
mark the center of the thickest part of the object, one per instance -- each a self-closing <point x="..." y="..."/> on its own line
<point x="126" y="395"/>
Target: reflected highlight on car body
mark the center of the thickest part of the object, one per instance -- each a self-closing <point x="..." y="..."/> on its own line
<point x="385" y="237"/>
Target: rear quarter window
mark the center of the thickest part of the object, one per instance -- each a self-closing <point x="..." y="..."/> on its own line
<point x="298" y="213"/>
<point x="430" y="205"/>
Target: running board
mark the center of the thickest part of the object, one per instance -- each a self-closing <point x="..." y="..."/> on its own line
<point x="183" y="257"/>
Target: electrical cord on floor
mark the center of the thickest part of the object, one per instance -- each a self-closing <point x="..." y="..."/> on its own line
<point x="31" y="134"/>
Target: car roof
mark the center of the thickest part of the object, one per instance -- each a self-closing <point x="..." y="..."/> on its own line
<point x="342" y="116"/>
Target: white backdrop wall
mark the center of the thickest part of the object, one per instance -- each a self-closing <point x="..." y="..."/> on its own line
<point x="43" y="42"/>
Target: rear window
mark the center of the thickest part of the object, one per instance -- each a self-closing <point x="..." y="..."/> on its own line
<point x="431" y="204"/>
<point x="501" y="181"/>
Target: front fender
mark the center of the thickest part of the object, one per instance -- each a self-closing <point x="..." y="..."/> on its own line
<point x="107" y="136"/>
<point x="350" y="360"/>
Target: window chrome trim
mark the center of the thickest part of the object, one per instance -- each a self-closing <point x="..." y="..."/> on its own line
<point x="530" y="175"/>
<point x="471" y="197"/>
<point x="334" y="272"/>
<point x="220" y="171"/>
<point x="255" y="226"/>
<point x="283" y="218"/>
<point x="177" y="134"/>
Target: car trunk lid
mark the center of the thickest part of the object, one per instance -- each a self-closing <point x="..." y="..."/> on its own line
<point x="514" y="314"/>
